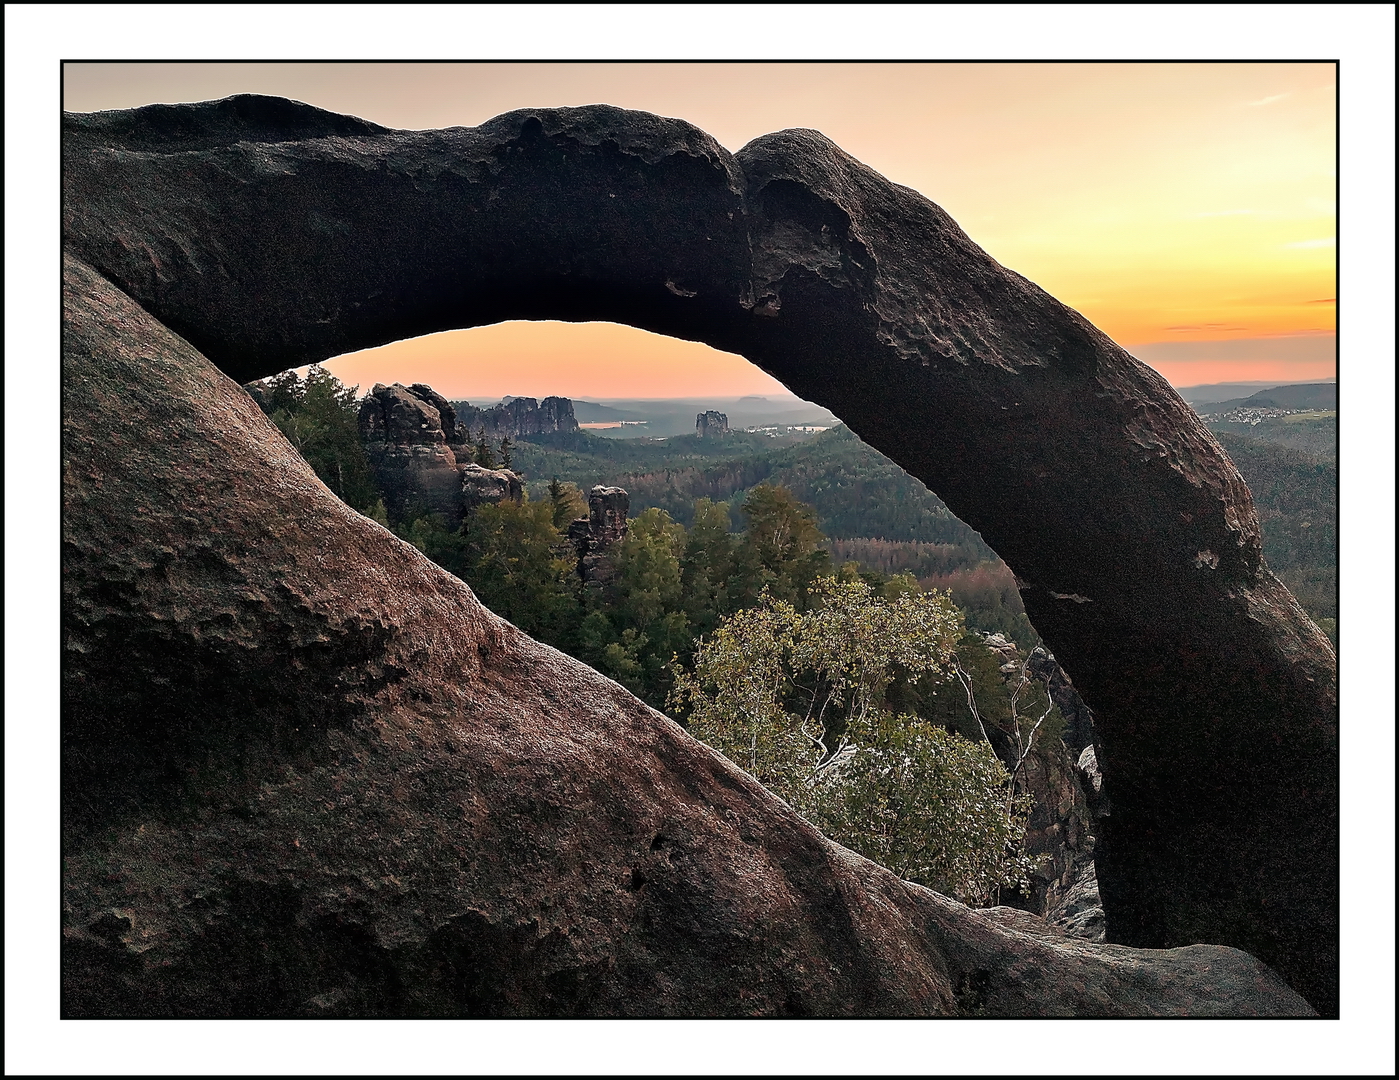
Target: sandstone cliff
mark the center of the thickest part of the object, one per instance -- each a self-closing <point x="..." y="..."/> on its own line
<point x="711" y="425"/>
<point x="412" y="439"/>
<point x="594" y="535"/>
<point x="518" y="417"/>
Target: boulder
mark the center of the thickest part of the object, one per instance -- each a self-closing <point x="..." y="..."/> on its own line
<point x="481" y="485"/>
<point x="268" y="235"/>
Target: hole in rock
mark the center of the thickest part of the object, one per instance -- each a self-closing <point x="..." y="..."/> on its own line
<point x="620" y="495"/>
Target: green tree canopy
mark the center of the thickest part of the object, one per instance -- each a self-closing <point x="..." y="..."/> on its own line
<point x="567" y="502"/>
<point x="511" y="556"/>
<point x="797" y="698"/>
<point x="320" y="418"/>
<point x="707" y="564"/>
<point x="780" y="550"/>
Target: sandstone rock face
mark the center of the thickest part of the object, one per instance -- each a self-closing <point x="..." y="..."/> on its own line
<point x="711" y="425"/>
<point x="1091" y="782"/>
<point x="267" y="235"/>
<point x="1078" y="911"/>
<point x="408" y="452"/>
<point x="517" y="417"/>
<point x="306" y="773"/>
<point x="481" y="485"/>
<point x="447" y="416"/>
<point x="594" y="535"/>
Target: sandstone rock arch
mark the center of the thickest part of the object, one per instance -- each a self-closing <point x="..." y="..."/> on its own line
<point x="268" y="234"/>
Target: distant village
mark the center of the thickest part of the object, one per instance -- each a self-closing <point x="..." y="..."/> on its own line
<point x="1254" y="415"/>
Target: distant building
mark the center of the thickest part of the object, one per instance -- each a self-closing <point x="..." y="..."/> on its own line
<point x="711" y="425"/>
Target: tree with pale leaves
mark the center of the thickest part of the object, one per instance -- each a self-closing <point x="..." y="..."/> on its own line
<point x="797" y="699"/>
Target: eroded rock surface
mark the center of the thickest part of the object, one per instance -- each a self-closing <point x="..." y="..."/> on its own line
<point x="407" y="450"/>
<point x="306" y="773"/>
<point x="517" y="417"/>
<point x="482" y="485"/>
<point x="595" y="535"/>
<point x="711" y="425"/>
<point x="270" y="234"/>
<point x="420" y="456"/>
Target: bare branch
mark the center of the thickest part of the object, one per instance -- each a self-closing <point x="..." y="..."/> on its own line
<point x="971" y="697"/>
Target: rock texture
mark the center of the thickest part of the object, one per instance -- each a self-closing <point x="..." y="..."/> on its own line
<point x="452" y="435"/>
<point x="407" y="449"/>
<point x="518" y="416"/>
<point x="268" y="234"/>
<point x="711" y="424"/>
<point x="1078" y="911"/>
<point x="481" y="485"/>
<point x="307" y="774"/>
<point x="420" y="456"/>
<point x="594" y="535"/>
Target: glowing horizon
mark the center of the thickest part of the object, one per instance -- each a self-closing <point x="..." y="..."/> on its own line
<point x="1182" y="208"/>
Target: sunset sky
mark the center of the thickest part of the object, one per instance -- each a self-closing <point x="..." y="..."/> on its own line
<point x="1186" y="209"/>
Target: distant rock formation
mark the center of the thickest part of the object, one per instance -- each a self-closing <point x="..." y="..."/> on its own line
<point x="517" y="417"/>
<point x="711" y="425"/>
<point x="412" y="438"/>
<point x="594" y="535"/>
<point x="257" y="390"/>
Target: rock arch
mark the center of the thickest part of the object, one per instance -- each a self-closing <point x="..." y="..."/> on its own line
<point x="269" y="234"/>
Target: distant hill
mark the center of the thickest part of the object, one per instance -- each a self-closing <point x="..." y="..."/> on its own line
<point x="855" y="490"/>
<point x="877" y="514"/>
<point x="1215" y="392"/>
<point x="1311" y="432"/>
<point x="1292" y="396"/>
<point x="1295" y="494"/>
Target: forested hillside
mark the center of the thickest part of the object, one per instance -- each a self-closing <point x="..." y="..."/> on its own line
<point x="873" y="512"/>
<point x="870" y="511"/>
<point x="1295" y="493"/>
<point x="855" y="490"/>
<point x="1310" y="432"/>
